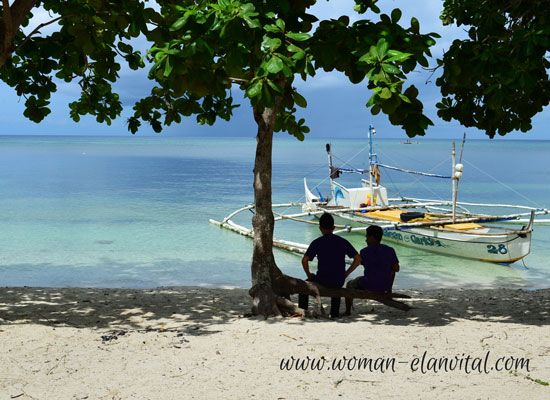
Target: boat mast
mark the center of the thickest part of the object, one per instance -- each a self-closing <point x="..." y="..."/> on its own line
<point x="454" y="180"/>
<point x="457" y="173"/>
<point x="372" y="155"/>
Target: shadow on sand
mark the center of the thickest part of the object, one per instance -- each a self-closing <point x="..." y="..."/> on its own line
<point x="200" y="310"/>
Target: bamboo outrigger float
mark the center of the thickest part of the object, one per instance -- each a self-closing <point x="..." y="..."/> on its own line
<point x="445" y="227"/>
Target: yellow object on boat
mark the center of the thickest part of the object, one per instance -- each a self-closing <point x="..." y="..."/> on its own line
<point x="463" y="227"/>
<point x="393" y="215"/>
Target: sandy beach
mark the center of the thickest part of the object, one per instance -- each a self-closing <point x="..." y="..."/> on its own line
<point x="198" y="343"/>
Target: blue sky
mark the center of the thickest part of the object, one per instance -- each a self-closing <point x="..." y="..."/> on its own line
<point x="336" y="108"/>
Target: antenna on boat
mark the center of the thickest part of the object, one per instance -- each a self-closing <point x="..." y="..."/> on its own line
<point x="462" y="147"/>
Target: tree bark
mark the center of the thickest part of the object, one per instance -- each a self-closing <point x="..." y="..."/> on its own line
<point x="10" y="23"/>
<point x="264" y="269"/>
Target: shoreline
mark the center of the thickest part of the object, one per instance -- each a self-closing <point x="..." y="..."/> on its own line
<point x="167" y="343"/>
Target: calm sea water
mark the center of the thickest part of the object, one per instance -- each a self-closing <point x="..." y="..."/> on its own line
<point x="133" y="211"/>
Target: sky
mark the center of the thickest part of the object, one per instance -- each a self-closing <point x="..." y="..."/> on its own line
<point x="336" y="108"/>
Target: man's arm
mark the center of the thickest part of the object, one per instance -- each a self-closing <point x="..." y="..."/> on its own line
<point x="356" y="262"/>
<point x="305" y="265"/>
<point x="395" y="267"/>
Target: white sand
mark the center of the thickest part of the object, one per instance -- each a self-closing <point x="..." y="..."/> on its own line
<point x="194" y="343"/>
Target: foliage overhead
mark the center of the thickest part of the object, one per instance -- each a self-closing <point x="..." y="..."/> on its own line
<point x="94" y="37"/>
<point x="204" y="50"/>
<point x="496" y="79"/>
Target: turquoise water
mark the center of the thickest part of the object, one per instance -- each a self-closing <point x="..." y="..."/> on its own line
<point x="133" y="211"/>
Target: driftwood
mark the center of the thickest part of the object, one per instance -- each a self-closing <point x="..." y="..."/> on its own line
<point x="266" y="298"/>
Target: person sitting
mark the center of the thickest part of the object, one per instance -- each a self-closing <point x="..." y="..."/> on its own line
<point x="331" y="251"/>
<point x="380" y="263"/>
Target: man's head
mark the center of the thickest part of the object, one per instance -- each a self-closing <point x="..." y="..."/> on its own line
<point x="374" y="234"/>
<point x="326" y="223"/>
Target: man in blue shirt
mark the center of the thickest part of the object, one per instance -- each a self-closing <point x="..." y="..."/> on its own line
<point x="331" y="251"/>
<point x="381" y="265"/>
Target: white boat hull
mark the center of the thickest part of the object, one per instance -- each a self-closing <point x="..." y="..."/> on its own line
<point x="506" y="248"/>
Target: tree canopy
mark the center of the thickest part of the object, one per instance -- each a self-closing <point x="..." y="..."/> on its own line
<point x="495" y="80"/>
<point x="202" y="51"/>
<point x="93" y="39"/>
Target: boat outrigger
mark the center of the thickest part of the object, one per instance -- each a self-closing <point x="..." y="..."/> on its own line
<point x="445" y="227"/>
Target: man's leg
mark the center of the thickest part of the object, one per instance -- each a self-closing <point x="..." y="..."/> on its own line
<point x="353" y="284"/>
<point x="335" y="307"/>
<point x="392" y="279"/>
<point x="303" y="301"/>
<point x="349" y="304"/>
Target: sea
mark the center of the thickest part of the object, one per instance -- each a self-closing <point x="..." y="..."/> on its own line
<point x="133" y="211"/>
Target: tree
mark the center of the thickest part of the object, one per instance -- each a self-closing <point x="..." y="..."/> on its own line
<point x="202" y="51"/>
<point x="496" y="79"/>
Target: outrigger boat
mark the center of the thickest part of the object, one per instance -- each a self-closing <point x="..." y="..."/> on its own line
<point x="445" y="227"/>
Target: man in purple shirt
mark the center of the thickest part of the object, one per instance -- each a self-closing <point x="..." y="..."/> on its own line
<point x="331" y="251"/>
<point x="380" y="263"/>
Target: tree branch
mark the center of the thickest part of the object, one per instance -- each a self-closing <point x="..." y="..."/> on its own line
<point x="12" y="19"/>
<point x="8" y="24"/>
<point x="35" y="30"/>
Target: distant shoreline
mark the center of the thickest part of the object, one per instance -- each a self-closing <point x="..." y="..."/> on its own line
<point x="278" y="136"/>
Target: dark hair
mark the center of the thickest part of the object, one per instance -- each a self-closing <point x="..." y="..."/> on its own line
<point x="326" y="221"/>
<point x="376" y="232"/>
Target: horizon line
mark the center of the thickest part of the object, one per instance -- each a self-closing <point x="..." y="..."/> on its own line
<point x="288" y="136"/>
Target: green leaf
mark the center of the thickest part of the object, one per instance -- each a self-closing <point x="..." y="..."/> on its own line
<point x="274" y="86"/>
<point x="391" y="69"/>
<point x="385" y="93"/>
<point x="179" y="23"/>
<point x="300" y="100"/>
<point x="394" y="55"/>
<point x="274" y="65"/>
<point x="267" y="98"/>
<point x="299" y="37"/>
<point x="367" y="58"/>
<point x="381" y="48"/>
<point x="404" y="98"/>
<point x="396" y="15"/>
<point x="272" y="28"/>
<point x="415" y="26"/>
<point x="280" y="23"/>
<point x="254" y="90"/>
<point x="252" y="23"/>
<point x="375" y="110"/>
<point x="167" y="67"/>
<point x="270" y="44"/>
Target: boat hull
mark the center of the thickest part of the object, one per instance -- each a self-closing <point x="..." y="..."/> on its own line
<point x="504" y="249"/>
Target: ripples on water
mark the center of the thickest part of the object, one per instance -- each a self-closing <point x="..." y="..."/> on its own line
<point x="133" y="211"/>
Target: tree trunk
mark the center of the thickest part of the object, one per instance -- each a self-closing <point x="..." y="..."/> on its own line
<point x="271" y="289"/>
<point x="264" y="269"/>
<point x="12" y="18"/>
